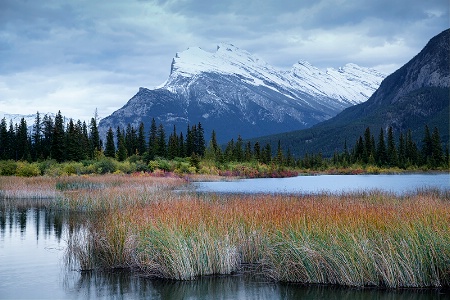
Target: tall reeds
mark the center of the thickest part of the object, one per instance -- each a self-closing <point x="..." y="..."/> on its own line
<point x="359" y="239"/>
<point x="366" y="239"/>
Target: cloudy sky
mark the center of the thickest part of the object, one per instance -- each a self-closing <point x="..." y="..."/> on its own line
<point x="79" y="55"/>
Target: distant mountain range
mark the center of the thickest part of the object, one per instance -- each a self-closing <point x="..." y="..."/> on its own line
<point x="233" y="92"/>
<point x="416" y="94"/>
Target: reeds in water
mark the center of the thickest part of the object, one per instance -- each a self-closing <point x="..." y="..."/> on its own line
<point x="365" y="239"/>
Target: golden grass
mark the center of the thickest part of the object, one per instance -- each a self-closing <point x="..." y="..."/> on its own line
<point x="359" y="239"/>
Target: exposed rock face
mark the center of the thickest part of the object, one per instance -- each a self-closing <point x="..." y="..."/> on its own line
<point x="232" y="92"/>
<point x="415" y="95"/>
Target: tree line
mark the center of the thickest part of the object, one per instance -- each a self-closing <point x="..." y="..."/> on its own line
<point x="76" y="141"/>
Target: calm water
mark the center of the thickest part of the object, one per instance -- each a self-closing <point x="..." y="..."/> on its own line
<point x="32" y="260"/>
<point x="398" y="184"/>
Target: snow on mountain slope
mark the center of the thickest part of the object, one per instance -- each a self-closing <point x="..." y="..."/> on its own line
<point x="351" y="84"/>
<point x="237" y="93"/>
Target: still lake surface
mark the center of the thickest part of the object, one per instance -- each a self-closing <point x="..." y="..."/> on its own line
<point x="33" y="247"/>
<point x="398" y="184"/>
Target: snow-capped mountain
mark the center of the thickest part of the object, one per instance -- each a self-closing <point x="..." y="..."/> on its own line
<point x="234" y="92"/>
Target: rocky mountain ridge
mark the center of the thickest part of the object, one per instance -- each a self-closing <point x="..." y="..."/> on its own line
<point x="234" y="92"/>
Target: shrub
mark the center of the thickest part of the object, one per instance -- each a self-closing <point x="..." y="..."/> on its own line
<point x="8" y="167"/>
<point x="105" y="165"/>
<point x="74" y="168"/>
<point x="25" y="169"/>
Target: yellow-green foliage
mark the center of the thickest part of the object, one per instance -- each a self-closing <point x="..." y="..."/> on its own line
<point x="361" y="239"/>
<point x="366" y="239"/>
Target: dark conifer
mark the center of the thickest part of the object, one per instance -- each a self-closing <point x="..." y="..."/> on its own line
<point x="110" y="150"/>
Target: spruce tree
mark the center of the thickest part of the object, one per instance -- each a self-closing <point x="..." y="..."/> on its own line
<point x="172" y="145"/>
<point x="412" y="156"/>
<point x="110" y="150"/>
<point x="401" y="151"/>
<point x="121" y="148"/>
<point x="94" y="137"/>
<point x="141" y="145"/>
<point x="22" y="145"/>
<point x="47" y="136"/>
<point x="238" y="154"/>
<point x="427" y="145"/>
<point x="392" y="157"/>
<point x="37" y="138"/>
<point x="3" y="140"/>
<point x="58" y="139"/>
<point x="153" y="140"/>
<point x="72" y="142"/>
<point x="200" y="140"/>
<point x="280" y="158"/>
<point x="437" y="153"/>
<point x="257" y="151"/>
<point x="248" y="155"/>
<point x="161" y="138"/>
<point x="381" y="158"/>
<point x="367" y="146"/>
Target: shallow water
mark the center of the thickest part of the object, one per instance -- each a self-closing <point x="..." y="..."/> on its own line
<point x="398" y="184"/>
<point x="33" y="262"/>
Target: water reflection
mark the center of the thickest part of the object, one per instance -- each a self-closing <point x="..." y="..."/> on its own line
<point x="95" y="285"/>
<point x="32" y="252"/>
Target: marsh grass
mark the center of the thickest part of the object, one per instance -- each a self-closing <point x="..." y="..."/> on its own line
<point x="359" y="239"/>
<point x="363" y="239"/>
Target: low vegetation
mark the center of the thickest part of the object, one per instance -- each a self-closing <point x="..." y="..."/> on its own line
<point x="360" y="239"/>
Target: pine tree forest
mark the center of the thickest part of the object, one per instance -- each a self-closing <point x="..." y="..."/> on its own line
<point x="55" y="141"/>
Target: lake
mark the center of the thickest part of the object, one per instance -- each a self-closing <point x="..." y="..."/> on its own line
<point x="33" y="253"/>
<point x="398" y="184"/>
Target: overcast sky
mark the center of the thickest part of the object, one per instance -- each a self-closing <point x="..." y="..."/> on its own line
<point x="79" y="55"/>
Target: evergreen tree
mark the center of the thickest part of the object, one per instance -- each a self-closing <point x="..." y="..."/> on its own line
<point x="110" y="150"/>
<point x="412" y="156"/>
<point x="401" y="151"/>
<point x="392" y="158"/>
<point x="437" y="153"/>
<point x="200" y="140"/>
<point x="72" y="143"/>
<point x="22" y="145"/>
<point x="427" y="146"/>
<point x="3" y="140"/>
<point x="121" y="148"/>
<point x="229" y="151"/>
<point x="213" y="150"/>
<point x="82" y="131"/>
<point x="47" y="136"/>
<point x="238" y="154"/>
<point x="280" y="158"/>
<point x="181" y="146"/>
<point x="189" y="146"/>
<point x="257" y="151"/>
<point x="267" y="154"/>
<point x="172" y="145"/>
<point x="248" y="152"/>
<point x="94" y="137"/>
<point x="141" y="145"/>
<point x="58" y="139"/>
<point x="153" y="140"/>
<point x="358" y="150"/>
<point x="161" y="137"/>
<point x="367" y="146"/>
<point x="37" y="138"/>
<point x="11" y="141"/>
<point x="381" y="158"/>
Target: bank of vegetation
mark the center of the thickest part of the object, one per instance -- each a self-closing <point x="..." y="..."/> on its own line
<point x="359" y="239"/>
<point x="57" y="147"/>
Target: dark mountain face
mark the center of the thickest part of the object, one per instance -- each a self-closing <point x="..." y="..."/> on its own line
<point x="234" y="93"/>
<point x="416" y="94"/>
